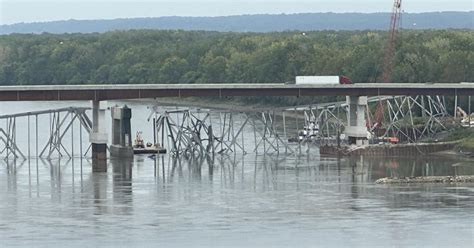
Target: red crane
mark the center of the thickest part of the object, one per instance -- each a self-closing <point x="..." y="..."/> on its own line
<point x="390" y="48"/>
<point x="388" y="58"/>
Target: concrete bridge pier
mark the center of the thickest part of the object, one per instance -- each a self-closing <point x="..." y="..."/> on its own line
<point x="98" y="137"/>
<point x="356" y="130"/>
<point x="121" y="132"/>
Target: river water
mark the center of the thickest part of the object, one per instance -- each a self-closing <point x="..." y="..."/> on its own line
<point x="237" y="200"/>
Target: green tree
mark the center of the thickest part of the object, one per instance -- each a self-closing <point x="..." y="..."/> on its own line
<point x="173" y="69"/>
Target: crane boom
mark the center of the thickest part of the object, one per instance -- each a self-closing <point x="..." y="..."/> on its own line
<point x="390" y="47"/>
<point x="388" y="57"/>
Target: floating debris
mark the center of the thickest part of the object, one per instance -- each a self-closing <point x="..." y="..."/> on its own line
<point x="430" y="179"/>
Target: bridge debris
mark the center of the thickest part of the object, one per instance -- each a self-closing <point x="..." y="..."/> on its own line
<point x="61" y="124"/>
<point x="389" y="150"/>
<point x="429" y="179"/>
<point x="193" y="132"/>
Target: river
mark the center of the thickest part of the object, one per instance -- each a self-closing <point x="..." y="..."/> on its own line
<point x="237" y="200"/>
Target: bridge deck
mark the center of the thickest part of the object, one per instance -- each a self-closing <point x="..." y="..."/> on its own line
<point x="146" y="91"/>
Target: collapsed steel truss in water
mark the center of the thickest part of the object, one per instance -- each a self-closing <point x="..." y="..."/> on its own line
<point x="61" y="124"/>
<point x="410" y="118"/>
<point x="188" y="132"/>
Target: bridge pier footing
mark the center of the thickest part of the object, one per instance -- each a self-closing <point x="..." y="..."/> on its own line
<point x="99" y="157"/>
<point x="98" y="137"/>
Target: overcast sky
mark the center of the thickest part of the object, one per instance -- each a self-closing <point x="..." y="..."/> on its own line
<point x="14" y="11"/>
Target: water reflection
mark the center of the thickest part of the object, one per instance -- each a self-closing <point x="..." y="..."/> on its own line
<point x="122" y="185"/>
<point x="273" y="194"/>
<point x="99" y="165"/>
<point x="227" y="170"/>
<point x="99" y="184"/>
<point x="417" y="166"/>
<point x="231" y="200"/>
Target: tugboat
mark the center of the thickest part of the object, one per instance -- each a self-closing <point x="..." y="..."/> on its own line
<point x="139" y="146"/>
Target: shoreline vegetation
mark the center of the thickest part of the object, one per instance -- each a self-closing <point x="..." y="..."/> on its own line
<point x="465" y="136"/>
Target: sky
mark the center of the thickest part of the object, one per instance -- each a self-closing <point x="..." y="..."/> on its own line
<point x="16" y="11"/>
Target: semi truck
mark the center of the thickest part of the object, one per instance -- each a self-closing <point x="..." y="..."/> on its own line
<point x="322" y="80"/>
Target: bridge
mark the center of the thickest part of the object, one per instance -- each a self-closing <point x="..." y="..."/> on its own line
<point x="146" y="91"/>
<point x="356" y="94"/>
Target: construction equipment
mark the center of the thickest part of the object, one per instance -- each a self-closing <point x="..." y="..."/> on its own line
<point x="467" y="120"/>
<point x="391" y="140"/>
<point x="461" y="112"/>
<point x="390" y="47"/>
<point x="388" y="58"/>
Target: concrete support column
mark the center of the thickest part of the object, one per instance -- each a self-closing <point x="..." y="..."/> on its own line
<point x="98" y="137"/>
<point x="121" y="132"/>
<point x="356" y="130"/>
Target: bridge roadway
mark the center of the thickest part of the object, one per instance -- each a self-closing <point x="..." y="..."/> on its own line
<point x="147" y="91"/>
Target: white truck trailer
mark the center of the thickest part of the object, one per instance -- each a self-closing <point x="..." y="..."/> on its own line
<point x="322" y="80"/>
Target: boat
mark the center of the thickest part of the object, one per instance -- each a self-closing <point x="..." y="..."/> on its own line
<point x="309" y="133"/>
<point x="140" y="147"/>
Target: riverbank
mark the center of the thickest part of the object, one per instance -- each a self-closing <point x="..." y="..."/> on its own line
<point x="208" y="103"/>
<point x="465" y="138"/>
<point x="226" y="104"/>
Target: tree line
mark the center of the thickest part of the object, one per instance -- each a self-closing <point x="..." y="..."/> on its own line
<point x="150" y="56"/>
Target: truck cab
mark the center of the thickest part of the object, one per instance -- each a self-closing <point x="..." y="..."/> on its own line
<point x="345" y="80"/>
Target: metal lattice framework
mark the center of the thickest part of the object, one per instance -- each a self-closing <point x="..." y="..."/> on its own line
<point x="186" y="132"/>
<point x="409" y="118"/>
<point x="8" y="138"/>
<point x="61" y="123"/>
<point x="190" y="132"/>
<point x="268" y="135"/>
<point x="402" y="115"/>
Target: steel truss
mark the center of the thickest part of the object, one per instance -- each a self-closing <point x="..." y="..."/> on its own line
<point x="188" y="132"/>
<point x="61" y="123"/>
<point x="409" y="118"/>
<point x="403" y="112"/>
<point x="267" y="134"/>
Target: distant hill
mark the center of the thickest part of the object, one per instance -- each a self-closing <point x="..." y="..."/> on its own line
<point x="255" y="23"/>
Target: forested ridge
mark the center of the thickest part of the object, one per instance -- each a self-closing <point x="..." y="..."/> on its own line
<point x="255" y="23"/>
<point x="149" y="56"/>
